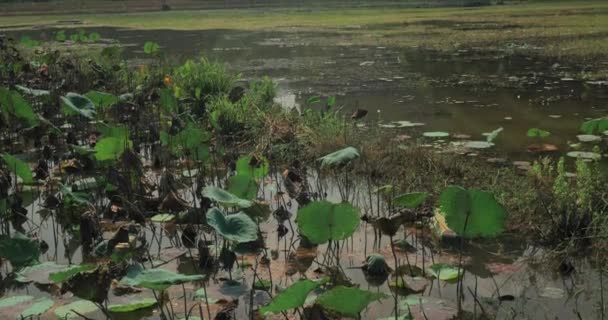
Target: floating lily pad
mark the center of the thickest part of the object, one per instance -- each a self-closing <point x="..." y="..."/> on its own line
<point x="444" y="272"/>
<point x="588" y="138"/>
<point x="436" y="134"/>
<point x="37" y="308"/>
<point x="83" y="307"/>
<point x="428" y="308"/>
<point x="478" y="144"/>
<point x="340" y="157"/>
<point x="584" y="155"/>
<point x="155" y="279"/>
<point x="39" y="273"/>
<point x="407" y="124"/>
<point x="552" y="293"/>
<point x="200" y="294"/>
<point x="538" y="133"/>
<point x="13" y="300"/>
<point x="70" y="271"/>
<point x="163" y="218"/>
<point x="132" y="306"/>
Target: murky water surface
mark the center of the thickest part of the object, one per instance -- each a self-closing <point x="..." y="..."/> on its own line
<point x="462" y="93"/>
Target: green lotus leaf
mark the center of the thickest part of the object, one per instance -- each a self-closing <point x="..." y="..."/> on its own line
<point x="410" y="200"/>
<point x="33" y="92"/>
<point x="155" y="279"/>
<point x="76" y="104"/>
<point x="254" y="166"/>
<point x="132" y="306"/>
<point x="162" y="217"/>
<point x="322" y="221"/>
<point x="13" y="301"/>
<point x="38" y="307"/>
<point x="348" y="301"/>
<point x="19" y="167"/>
<point x="11" y="102"/>
<point x="292" y="297"/>
<point x="20" y="250"/>
<point x="444" y="272"/>
<point x="340" y="157"/>
<point x="39" y="273"/>
<point x="111" y="148"/>
<point x="225" y="198"/>
<point x="478" y="210"/>
<point x="80" y="306"/>
<point x="102" y="100"/>
<point x="70" y="271"/>
<point x="236" y="227"/>
<point x="436" y="134"/>
<point x="538" y="133"/>
<point x="243" y="186"/>
<point x="595" y="126"/>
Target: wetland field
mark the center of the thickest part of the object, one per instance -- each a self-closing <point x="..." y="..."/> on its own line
<point x="360" y="161"/>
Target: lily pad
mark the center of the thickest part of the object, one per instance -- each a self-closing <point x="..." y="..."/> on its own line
<point x="348" y="301"/>
<point x="444" y="272"/>
<point x="595" y="126"/>
<point x="254" y="166"/>
<point x="243" y="186"/>
<point x="155" y="279"/>
<point x="70" y="271"/>
<point x="340" y="157"/>
<point x="538" y="133"/>
<point x="38" y="307"/>
<point x="20" y="250"/>
<point x="19" y="167"/>
<point x="111" y="148"/>
<point x="14" y="300"/>
<point x="83" y="307"/>
<point x="407" y="124"/>
<point x="292" y="297"/>
<point x="33" y="92"/>
<point x="200" y="294"/>
<point x="436" y="134"/>
<point x="410" y="200"/>
<point x="39" y="273"/>
<point x="224" y="197"/>
<point x="588" y="138"/>
<point x="78" y="104"/>
<point x="236" y="227"/>
<point x="132" y="306"/>
<point x="478" y="144"/>
<point x="429" y="308"/>
<point x="162" y="218"/>
<point x="322" y="221"/>
<point x="584" y="155"/>
<point x="476" y="210"/>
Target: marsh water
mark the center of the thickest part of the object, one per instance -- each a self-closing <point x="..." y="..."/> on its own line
<point x="463" y="92"/>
